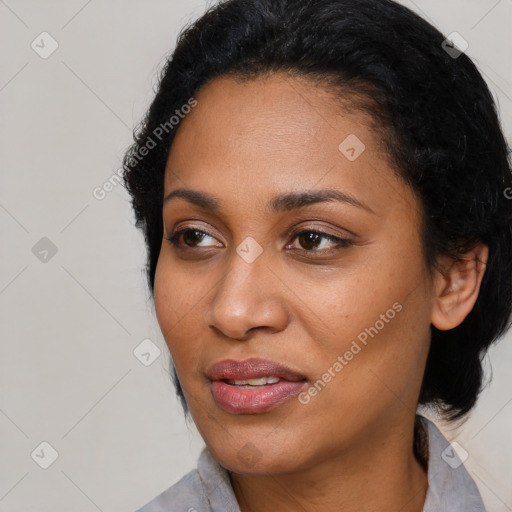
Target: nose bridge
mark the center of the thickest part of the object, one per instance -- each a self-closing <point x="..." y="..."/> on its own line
<point x="244" y="297"/>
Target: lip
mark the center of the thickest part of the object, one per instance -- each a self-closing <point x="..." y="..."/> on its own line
<point x="238" y="400"/>
<point x="231" y="369"/>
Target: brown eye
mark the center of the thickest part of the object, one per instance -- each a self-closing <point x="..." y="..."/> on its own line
<point x="309" y="241"/>
<point x="191" y="237"/>
<point x="312" y="241"/>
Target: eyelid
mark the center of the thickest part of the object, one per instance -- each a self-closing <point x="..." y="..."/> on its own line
<point x="289" y="230"/>
<point x="321" y="229"/>
<point x="338" y="241"/>
<point x="185" y="227"/>
<point x="182" y="230"/>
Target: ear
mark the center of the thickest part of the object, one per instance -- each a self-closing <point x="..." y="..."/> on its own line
<point x="457" y="287"/>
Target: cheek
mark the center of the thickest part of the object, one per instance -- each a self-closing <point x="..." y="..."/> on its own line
<point x="350" y="302"/>
<point x="176" y="293"/>
<point x="178" y="310"/>
<point x="383" y="351"/>
<point x="379" y="323"/>
<point x="164" y="296"/>
<point x="172" y="306"/>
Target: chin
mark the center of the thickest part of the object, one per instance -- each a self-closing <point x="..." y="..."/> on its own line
<point x="252" y="460"/>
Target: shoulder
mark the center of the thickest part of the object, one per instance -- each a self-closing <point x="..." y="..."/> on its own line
<point x="186" y="495"/>
<point x="450" y="485"/>
<point x="205" y="489"/>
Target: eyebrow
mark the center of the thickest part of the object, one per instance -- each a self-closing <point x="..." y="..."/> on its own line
<point x="280" y="203"/>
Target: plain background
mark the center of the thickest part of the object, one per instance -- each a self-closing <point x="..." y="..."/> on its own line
<point x="70" y="321"/>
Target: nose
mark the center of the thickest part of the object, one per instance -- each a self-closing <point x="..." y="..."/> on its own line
<point x="246" y="299"/>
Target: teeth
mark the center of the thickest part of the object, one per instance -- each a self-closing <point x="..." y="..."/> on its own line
<point x="257" y="382"/>
<point x="262" y="381"/>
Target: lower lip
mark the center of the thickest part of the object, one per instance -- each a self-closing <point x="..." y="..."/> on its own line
<point x="253" y="401"/>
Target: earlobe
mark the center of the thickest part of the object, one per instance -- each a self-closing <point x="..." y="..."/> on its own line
<point x="457" y="287"/>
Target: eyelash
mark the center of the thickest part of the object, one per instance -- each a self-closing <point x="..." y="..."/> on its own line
<point x="340" y="242"/>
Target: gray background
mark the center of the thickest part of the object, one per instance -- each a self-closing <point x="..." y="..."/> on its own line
<point x="70" y="321"/>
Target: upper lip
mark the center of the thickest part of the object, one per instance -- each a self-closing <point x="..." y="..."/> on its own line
<point x="231" y="369"/>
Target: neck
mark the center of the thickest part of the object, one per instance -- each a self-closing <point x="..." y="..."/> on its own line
<point x="382" y="476"/>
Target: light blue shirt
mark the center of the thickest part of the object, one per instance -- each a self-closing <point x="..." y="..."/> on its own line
<point x="208" y="488"/>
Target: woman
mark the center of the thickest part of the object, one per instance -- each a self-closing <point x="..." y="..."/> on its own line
<point x="322" y="188"/>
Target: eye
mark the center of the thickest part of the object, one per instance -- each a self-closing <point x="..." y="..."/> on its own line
<point x="191" y="238"/>
<point x="311" y="241"/>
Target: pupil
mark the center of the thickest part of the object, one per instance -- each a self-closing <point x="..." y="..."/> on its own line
<point x="309" y="238"/>
<point x="195" y="236"/>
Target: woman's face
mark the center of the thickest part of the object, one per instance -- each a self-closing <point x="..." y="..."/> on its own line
<point x="263" y="280"/>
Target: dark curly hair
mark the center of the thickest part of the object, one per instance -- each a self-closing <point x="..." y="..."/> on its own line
<point x="436" y="117"/>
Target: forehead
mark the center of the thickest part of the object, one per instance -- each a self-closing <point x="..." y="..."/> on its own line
<point x="273" y="111"/>
<point x="271" y="135"/>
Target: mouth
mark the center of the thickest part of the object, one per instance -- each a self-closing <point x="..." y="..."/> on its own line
<point x="253" y="386"/>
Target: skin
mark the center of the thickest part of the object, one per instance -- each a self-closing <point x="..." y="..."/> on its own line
<point x="302" y="303"/>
